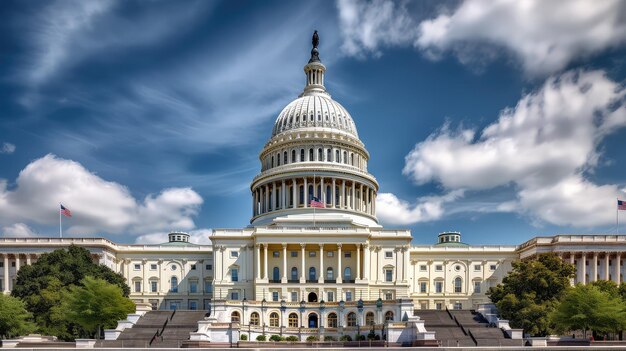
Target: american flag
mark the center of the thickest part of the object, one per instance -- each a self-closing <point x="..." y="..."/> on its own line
<point x="621" y="205"/>
<point x="315" y="202"/>
<point x="65" y="211"/>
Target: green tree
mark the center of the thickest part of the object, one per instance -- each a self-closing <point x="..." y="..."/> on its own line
<point x="41" y="287"/>
<point x="531" y="291"/>
<point x="607" y="286"/>
<point x="587" y="307"/>
<point x="15" y="320"/>
<point x="96" y="304"/>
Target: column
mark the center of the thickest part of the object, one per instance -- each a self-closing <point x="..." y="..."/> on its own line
<point x="283" y="197"/>
<point x="17" y="263"/>
<point x="352" y="198"/>
<point x="295" y="193"/>
<point x="358" y="261"/>
<point x="254" y="203"/>
<point x="244" y="264"/>
<point x="594" y="268"/>
<point x="571" y="261"/>
<point x="339" y="271"/>
<point x="361" y="198"/>
<point x="322" y="195"/>
<point x="306" y="194"/>
<point x="144" y="283"/>
<point x="6" y="273"/>
<point x="303" y="266"/>
<point x="583" y="275"/>
<point x="284" y="279"/>
<point x="606" y="266"/>
<point x="28" y="259"/>
<point x="342" y="197"/>
<point x="257" y="251"/>
<point x="367" y="200"/>
<point x="267" y="198"/>
<point x="374" y="205"/>
<point x="617" y="266"/>
<point x="321" y="273"/>
<point x="332" y="191"/>
<point x="377" y="250"/>
<point x="405" y="264"/>
<point x="265" y="261"/>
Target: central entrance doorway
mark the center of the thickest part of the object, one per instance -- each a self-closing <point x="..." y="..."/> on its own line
<point x="313" y="320"/>
<point x="312" y="297"/>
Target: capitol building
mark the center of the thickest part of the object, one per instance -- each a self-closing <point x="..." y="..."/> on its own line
<point x="314" y="254"/>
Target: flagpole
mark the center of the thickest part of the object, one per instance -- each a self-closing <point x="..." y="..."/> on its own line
<point x="314" y="187"/>
<point x="617" y="216"/>
<point x="60" y="222"/>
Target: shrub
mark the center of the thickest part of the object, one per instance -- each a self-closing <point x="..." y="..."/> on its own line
<point x="377" y="337"/>
<point x="276" y="338"/>
<point x="330" y="338"/>
<point x="243" y="337"/>
<point x="371" y="336"/>
<point x="313" y="338"/>
<point x="360" y="337"/>
<point x="261" y="338"/>
<point x="346" y="338"/>
<point x="292" y="338"/>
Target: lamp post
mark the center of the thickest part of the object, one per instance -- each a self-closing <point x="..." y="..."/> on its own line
<point x="283" y="307"/>
<point x="359" y="306"/>
<point x="319" y="319"/>
<point x="342" y="306"/>
<point x="263" y="302"/>
<point x="302" y="309"/>
<point x="379" y="308"/>
<point x="243" y="313"/>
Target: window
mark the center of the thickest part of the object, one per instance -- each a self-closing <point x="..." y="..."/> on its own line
<point x="347" y="273"/>
<point x="438" y="268"/>
<point x="294" y="273"/>
<point x="234" y="274"/>
<point x="348" y="295"/>
<point x="276" y="254"/>
<point x="389" y="316"/>
<point x="234" y="295"/>
<point x="193" y="267"/>
<point x="153" y="267"/>
<point x="208" y="287"/>
<point x="320" y="155"/>
<point x="193" y="304"/>
<point x="332" y="320"/>
<point x="423" y="287"/>
<point x="301" y="155"/>
<point x="311" y="253"/>
<point x="294" y="253"/>
<point x="439" y="306"/>
<point x="388" y="296"/>
<point x="423" y="268"/>
<point x="274" y="295"/>
<point x="153" y="286"/>
<point x="293" y="156"/>
<point x="310" y="155"/>
<point x="477" y="287"/>
<point x="294" y="296"/>
<point x="137" y="286"/>
<point x="347" y="254"/>
<point x="330" y="296"/>
<point x="345" y="157"/>
<point x="458" y="284"/>
<point x="312" y="275"/>
<point x="388" y="254"/>
<point x="173" y="267"/>
<point x="278" y="160"/>
<point x="438" y="287"/>
<point x="274" y="319"/>
<point x="457" y="268"/>
<point x="234" y="254"/>
<point x="235" y="317"/>
<point x="492" y="267"/>
<point x="351" y="319"/>
<point x="254" y="319"/>
<point x="457" y="306"/>
<point x="329" y="273"/>
<point x="388" y="275"/>
<point x="337" y="156"/>
<point x="137" y="267"/>
<point x="208" y="267"/>
<point x="369" y="318"/>
<point x="276" y="274"/>
<point x="476" y="268"/>
<point x="193" y="286"/>
<point x="330" y="254"/>
<point x="293" y="320"/>
<point x="328" y="155"/>
<point x="174" y="284"/>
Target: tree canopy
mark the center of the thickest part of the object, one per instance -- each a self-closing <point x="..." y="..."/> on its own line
<point x="531" y="291"/>
<point x="15" y="320"/>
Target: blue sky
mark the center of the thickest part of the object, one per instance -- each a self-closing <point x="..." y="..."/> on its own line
<point x="502" y="120"/>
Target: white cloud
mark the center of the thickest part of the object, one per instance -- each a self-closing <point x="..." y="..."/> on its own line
<point x="391" y="210"/>
<point x="7" y="148"/>
<point x="545" y="36"/>
<point x="196" y="236"/>
<point x="97" y="205"/>
<point x="18" y="230"/>
<point x="543" y="147"/>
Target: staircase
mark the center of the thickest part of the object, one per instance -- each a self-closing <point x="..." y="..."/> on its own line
<point x="447" y="332"/>
<point x="478" y="329"/>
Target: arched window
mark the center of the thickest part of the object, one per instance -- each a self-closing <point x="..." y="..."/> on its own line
<point x="234" y="317"/>
<point x="310" y="192"/>
<point x="337" y="156"/>
<point x="328" y="155"/>
<point x="174" y="284"/>
<point x="291" y="195"/>
<point x="272" y="164"/>
<point x="301" y="155"/>
<point x="329" y="273"/>
<point x="278" y="159"/>
<point x="332" y="320"/>
<point x="293" y="320"/>
<point x="458" y="284"/>
<point x="294" y="273"/>
<point x="312" y="273"/>
<point x="336" y="195"/>
<point x="351" y="319"/>
<point x="254" y="319"/>
<point x="320" y="154"/>
<point x="276" y="273"/>
<point x="345" y="157"/>
<point x="328" y="195"/>
<point x="310" y="155"/>
<point x="274" y="319"/>
<point x="369" y="318"/>
<point x="389" y="316"/>
<point x="347" y="273"/>
<point x="293" y="156"/>
<point x="301" y="194"/>
<point x="270" y="202"/>
<point x="351" y="160"/>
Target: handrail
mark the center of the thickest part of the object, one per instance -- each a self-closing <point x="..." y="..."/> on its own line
<point x="173" y="313"/>
<point x="449" y="314"/>
<point x="163" y="327"/>
<point x="472" y="336"/>
<point x="153" y="337"/>
<point x="459" y="325"/>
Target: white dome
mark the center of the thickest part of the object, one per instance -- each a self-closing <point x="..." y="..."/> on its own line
<point x="314" y="110"/>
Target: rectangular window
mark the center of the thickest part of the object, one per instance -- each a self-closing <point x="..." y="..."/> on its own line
<point x="274" y="295"/>
<point x="153" y="286"/>
<point x="193" y="286"/>
<point x="153" y="267"/>
<point x="234" y="254"/>
<point x="275" y="254"/>
<point x="476" y="268"/>
<point x="439" y="287"/>
<point x="234" y="295"/>
<point x="348" y="295"/>
<point x="457" y="306"/>
<point x="423" y="286"/>
<point x="294" y="253"/>
<point x="388" y="275"/>
<point x="330" y="295"/>
<point x="388" y="296"/>
<point x="137" y="267"/>
<point x="477" y="287"/>
<point x="12" y="264"/>
<point x="234" y="274"/>
<point x="294" y="296"/>
<point x="438" y="268"/>
<point x="208" y="287"/>
<point x="137" y="286"/>
<point x="439" y="306"/>
<point x="1" y="264"/>
<point x="348" y="254"/>
<point x="423" y="268"/>
<point x="330" y="254"/>
<point x="208" y="267"/>
<point x="388" y="254"/>
<point x="193" y="304"/>
<point x="311" y="253"/>
<point x="193" y="267"/>
<point x="492" y="267"/>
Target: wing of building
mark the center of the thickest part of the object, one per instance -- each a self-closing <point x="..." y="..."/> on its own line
<point x="314" y="254"/>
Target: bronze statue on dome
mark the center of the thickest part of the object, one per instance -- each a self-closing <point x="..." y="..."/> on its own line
<point x="315" y="55"/>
